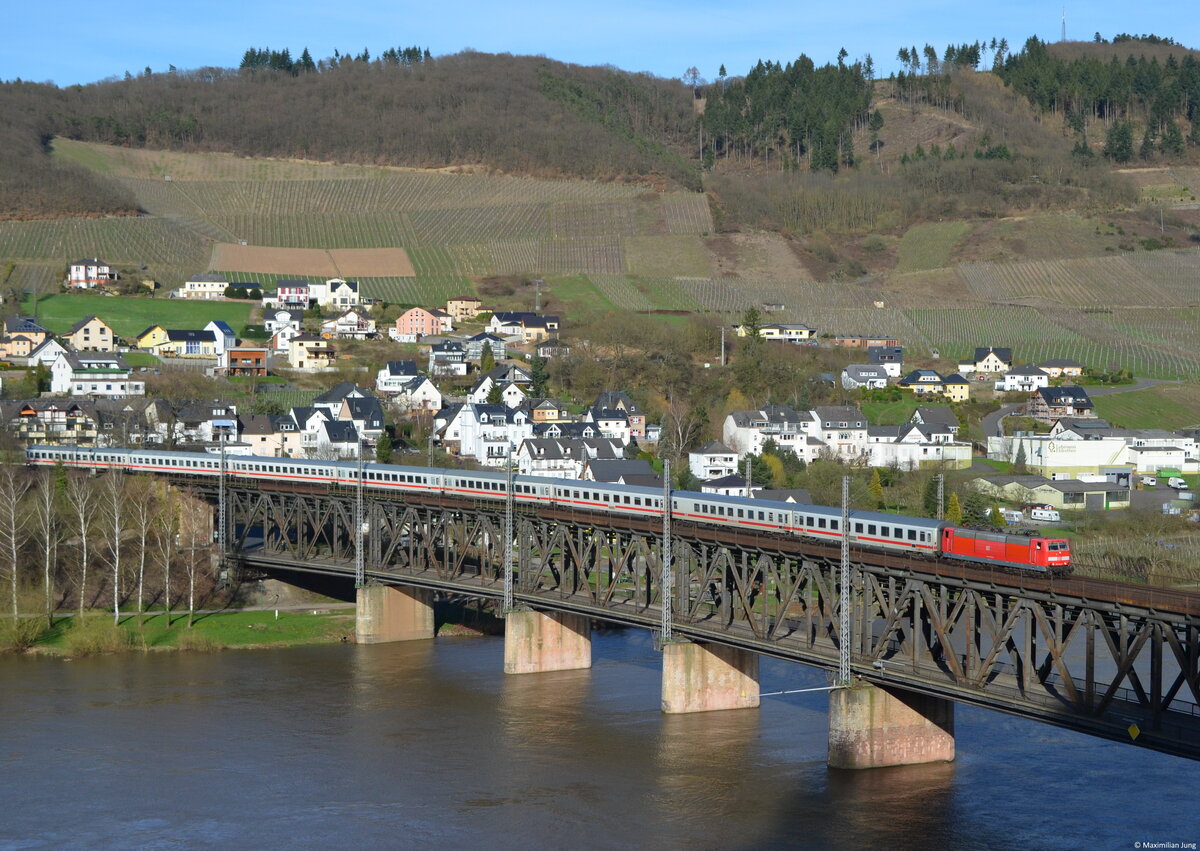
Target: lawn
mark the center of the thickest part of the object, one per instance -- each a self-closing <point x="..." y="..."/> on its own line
<point x="131" y="316"/>
<point x="666" y="256"/>
<point x="1169" y="406"/>
<point x="889" y="413"/>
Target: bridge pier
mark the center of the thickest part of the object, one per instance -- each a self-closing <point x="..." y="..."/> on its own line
<point x="536" y="642"/>
<point x="872" y="727"/>
<point x="699" y="677"/>
<point x="392" y="613"/>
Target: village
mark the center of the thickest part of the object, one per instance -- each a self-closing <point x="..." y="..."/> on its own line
<point x="477" y="391"/>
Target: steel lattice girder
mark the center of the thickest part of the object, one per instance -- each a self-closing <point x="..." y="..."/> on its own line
<point x="1089" y="665"/>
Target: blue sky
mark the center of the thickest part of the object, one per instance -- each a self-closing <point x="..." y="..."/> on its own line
<point x="78" y="42"/>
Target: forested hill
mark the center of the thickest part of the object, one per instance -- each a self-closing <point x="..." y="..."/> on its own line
<point x="523" y="115"/>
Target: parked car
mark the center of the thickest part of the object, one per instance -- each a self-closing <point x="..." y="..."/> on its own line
<point x="1177" y="483"/>
<point x="1150" y="481"/>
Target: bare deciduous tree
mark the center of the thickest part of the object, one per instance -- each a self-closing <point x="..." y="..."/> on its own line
<point x="112" y="504"/>
<point x="13" y="527"/>
<point x="165" y="529"/>
<point x="195" y="532"/>
<point x="143" y="503"/>
<point x="49" y="528"/>
<point x="81" y="502"/>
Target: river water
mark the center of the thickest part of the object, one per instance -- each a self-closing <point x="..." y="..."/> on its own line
<point x="428" y="743"/>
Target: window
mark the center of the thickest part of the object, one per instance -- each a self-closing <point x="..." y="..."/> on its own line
<point x="912" y="534"/>
<point x="870" y="528"/>
<point x="858" y="527"/>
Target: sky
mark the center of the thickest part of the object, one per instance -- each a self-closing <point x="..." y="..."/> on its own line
<point x="72" y="42"/>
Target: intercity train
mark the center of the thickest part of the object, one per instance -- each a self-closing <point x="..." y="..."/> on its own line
<point x="867" y="529"/>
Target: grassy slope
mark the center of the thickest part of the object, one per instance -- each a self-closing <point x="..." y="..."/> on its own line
<point x="1167" y="406"/>
<point x="130" y="316"/>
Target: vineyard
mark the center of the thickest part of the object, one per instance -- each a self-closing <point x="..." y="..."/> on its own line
<point x="120" y="240"/>
<point x="1148" y="279"/>
<point x="929" y="246"/>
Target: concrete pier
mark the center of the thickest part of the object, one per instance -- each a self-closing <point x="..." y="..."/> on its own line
<point x="701" y="677"/>
<point x="536" y="642"/>
<point x="393" y="613"/>
<point x="872" y="727"/>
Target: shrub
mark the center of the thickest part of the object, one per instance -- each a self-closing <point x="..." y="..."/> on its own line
<point x="198" y="642"/>
<point x="20" y="634"/>
<point x="93" y="634"/>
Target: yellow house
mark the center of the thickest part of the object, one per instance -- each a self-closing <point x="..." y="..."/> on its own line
<point x="92" y="335"/>
<point x="308" y="351"/>
<point x="152" y="337"/>
<point x="956" y="388"/>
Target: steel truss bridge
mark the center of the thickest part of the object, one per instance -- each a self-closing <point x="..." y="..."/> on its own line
<point x="1110" y="659"/>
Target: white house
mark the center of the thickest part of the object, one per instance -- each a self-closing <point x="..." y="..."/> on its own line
<point x="335" y="293"/>
<point x="511" y="393"/>
<point x="488" y="433"/>
<point x="94" y="374"/>
<point x="86" y="274"/>
<point x="353" y="324"/>
<point x="564" y="458"/>
<point x="223" y="334"/>
<point x="394" y="375"/>
<point x="46" y="354"/>
<point x="864" y="376"/>
<point x="890" y="358"/>
<point x="206" y="286"/>
<point x="712" y="461"/>
<point x="1023" y="379"/>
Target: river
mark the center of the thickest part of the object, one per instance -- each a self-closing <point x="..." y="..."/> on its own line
<point x="428" y="743"/>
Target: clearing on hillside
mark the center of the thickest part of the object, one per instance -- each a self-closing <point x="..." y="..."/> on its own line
<point x="336" y="262"/>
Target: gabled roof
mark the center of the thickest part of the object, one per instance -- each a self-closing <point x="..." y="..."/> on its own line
<point x="733" y="481"/>
<point x="617" y="399"/>
<point x="916" y="375"/>
<point x="338" y="392"/>
<point x="223" y="327"/>
<point x="23" y="325"/>
<point x="83" y="322"/>
<point x="714" y="447"/>
<point x="880" y="354"/>
<point x="1028" y="369"/>
<point x="1061" y="363"/>
<point x="955" y="379"/>
<point x="937" y="415"/>
<point x="366" y="409"/>
<point x="91" y="261"/>
<point x="208" y="277"/>
<point x="340" y="431"/>
<point x="1005" y="354"/>
<point x="840" y="413"/>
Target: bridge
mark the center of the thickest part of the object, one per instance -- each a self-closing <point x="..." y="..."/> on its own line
<point x="1109" y="659"/>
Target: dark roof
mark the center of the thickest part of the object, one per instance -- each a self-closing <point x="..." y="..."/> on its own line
<point x="1068" y="394"/>
<point x="840" y="413"/>
<point x="292" y="282"/>
<point x="83" y="322"/>
<point x="714" y="447"/>
<point x="955" y="379"/>
<point x="189" y="335"/>
<point x="341" y="431"/>
<point x="611" y="471"/>
<point x="23" y="325"/>
<point x="366" y="409"/>
<point x="397" y="368"/>
<point x="338" y="392"/>
<point x="1028" y="369"/>
<point x="733" y="481"/>
<point x="1060" y="363"/>
<point x="91" y="261"/>
<point x="936" y="414"/>
<point x="881" y="354"/>
<point x="914" y="377"/>
<point x="1005" y="354"/>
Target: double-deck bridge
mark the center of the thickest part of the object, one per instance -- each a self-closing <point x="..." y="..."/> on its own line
<point x="1110" y="659"/>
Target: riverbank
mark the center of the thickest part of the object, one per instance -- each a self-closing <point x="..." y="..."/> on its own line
<point x="95" y="633"/>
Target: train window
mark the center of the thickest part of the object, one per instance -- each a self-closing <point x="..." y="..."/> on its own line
<point x="870" y="528"/>
<point x="762" y="515"/>
<point x="858" y="527"/>
<point x="627" y="500"/>
<point x="820" y="522"/>
<point x="912" y="534"/>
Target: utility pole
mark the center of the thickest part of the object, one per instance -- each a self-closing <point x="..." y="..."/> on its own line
<point x="747" y="475"/>
<point x="431" y="446"/>
<point x="722" y="345"/>
<point x="508" y="537"/>
<point x="360" y="572"/>
<point x="844" y="603"/>
<point x="667" y="580"/>
<point x="221" y="523"/>
<point x="941" y="511"/>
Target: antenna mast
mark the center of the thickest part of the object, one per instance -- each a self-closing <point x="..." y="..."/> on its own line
<point x="1064" y="25"/>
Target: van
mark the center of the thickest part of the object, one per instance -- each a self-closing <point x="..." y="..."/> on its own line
<point x="1150" y="481"/>
<point x="1177" y="483"/>
<point x="1048" y="514"/>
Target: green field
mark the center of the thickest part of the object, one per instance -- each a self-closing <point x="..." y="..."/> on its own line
<point x="929" y="246"/>
<point x="130" y="316"/>
<point x="1169" y="406"/>
<point x="890" y="413"/>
